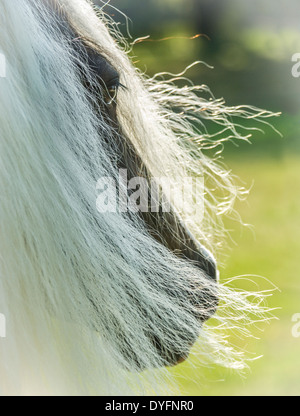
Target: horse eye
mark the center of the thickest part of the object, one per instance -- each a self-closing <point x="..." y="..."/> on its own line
<point x="105" y="73"/>
<point x="111" y="91"/>
<point x="111" y="94"/>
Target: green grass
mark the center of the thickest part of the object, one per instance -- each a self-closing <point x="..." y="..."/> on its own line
<point x="270" y="249"/>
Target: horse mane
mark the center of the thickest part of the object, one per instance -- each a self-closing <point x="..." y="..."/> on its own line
<point x="59" y="256"/>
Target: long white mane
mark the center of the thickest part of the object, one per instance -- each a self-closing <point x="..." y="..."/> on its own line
<point x="79" y="290"/>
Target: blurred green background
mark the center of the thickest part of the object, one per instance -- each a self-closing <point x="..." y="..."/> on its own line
<point x="250" y="44"/>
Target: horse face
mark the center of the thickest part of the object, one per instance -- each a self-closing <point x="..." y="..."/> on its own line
<point x="167" y="228"/>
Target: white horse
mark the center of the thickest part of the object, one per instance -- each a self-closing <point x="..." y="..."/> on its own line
<point x="101" y="303"/>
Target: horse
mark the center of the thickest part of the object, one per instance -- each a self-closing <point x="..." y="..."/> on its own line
<point x="101" y="303"/>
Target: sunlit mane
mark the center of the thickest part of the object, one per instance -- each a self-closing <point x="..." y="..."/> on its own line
<point x="85" y="294"/>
